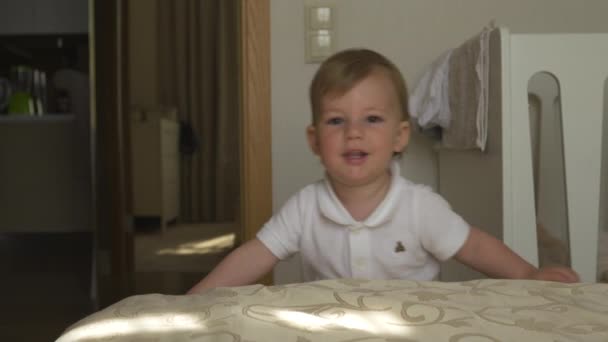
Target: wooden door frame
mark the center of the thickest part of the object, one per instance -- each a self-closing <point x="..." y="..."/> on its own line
<point x="256" y="168"/>
<point x="110" y="132"/>
<point x="256" y="142"/>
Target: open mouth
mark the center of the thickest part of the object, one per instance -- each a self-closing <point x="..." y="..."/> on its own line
<point x="355" y="155"/>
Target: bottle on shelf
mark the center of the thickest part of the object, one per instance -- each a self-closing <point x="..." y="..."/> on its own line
<point x="29" y="94"/>
<point x="38" y="92"/>
<point x="21" y="101"/>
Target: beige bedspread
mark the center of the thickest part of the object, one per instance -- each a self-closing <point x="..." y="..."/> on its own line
<point x="359" y="310"/>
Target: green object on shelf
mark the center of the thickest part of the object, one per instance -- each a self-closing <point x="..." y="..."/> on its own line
<point x="20" y="103"/>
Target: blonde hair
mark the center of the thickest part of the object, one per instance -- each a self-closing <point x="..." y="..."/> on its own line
<point x="343" y="70"/>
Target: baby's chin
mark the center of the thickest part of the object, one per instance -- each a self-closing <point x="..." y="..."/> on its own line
<point x="354" y="179"/>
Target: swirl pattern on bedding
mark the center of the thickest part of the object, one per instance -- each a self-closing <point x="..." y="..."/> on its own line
<point x="359" y="310"/>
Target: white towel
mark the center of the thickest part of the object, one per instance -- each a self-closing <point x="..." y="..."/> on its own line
<point x="453" y="94"/>
<point x="429" y="102"/>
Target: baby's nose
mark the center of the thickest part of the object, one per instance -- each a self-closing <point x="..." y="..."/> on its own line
<point x="353" y="130"/>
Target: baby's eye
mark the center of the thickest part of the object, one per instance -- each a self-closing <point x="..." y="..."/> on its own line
<point x="374" y="119"/>
<point x="335" y="121"/>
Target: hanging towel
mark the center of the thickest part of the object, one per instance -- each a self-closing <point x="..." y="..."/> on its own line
<point x="429" y="102"/>
<point x="468" y="94"/>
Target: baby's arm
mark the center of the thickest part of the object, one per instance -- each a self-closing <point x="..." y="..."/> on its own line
<point x="490" y="256"/>
<point x="243" y="266"/>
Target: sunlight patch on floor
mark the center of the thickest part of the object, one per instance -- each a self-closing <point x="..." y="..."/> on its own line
<point x="207" y="246"/>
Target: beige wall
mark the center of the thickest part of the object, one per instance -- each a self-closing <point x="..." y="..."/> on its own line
<point x="411" y="33"/>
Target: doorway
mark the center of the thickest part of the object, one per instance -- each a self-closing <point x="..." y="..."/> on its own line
<point x="182" y="73"/>
<point x="254" y="157"/>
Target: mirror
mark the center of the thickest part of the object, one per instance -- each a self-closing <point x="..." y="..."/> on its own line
<point x="550" y="197"/>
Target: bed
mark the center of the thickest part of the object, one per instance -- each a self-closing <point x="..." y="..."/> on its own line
<point x="360" y="310"/>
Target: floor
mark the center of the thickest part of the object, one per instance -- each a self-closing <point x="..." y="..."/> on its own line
<point x="172" y="262"/>
<point x="44" y="284"/>
<point x="184" y="247"/>
<point x="44" y="278"/>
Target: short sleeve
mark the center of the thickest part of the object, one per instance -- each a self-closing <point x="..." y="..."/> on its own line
<point x="281" y="234"/>
<point x="442" y="232"/>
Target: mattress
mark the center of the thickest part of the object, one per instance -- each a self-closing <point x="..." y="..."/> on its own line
<point x="359" y="310"/>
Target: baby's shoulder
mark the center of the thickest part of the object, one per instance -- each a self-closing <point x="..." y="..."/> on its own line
<point x="303" y="198"/>
<point x="311" y="190"/>
<point x="420" y="195"/>
<point x="409" y="188"/>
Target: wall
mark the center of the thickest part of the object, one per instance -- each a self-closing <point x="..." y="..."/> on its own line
<point x="143" y="53"/>
<point x="411" y="33"/>
<point x="42" y="17"/>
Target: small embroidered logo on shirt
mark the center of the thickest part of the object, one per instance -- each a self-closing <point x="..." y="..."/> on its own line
<point x="399" y="248"/>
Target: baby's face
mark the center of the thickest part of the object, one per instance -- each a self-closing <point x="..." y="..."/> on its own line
<point x="358" y="131"/>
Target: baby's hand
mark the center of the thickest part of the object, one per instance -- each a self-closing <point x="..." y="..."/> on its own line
<point x="556" y="273"/>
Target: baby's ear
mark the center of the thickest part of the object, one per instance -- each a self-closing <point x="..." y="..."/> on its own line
<point x="311" y="136"/>
<point x="402" y="136"/>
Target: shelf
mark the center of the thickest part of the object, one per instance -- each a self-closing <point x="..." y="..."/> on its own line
<point x="36" y="119"/>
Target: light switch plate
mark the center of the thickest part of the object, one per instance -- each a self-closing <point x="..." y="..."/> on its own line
<point x="320" y="17"/>
<point x="319" y="45"/>
<point x="319" y="30"/>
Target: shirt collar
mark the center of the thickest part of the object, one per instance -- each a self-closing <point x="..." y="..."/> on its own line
<point x="332" y="209"/>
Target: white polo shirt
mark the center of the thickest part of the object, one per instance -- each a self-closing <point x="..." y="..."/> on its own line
<point x="412" y="229"/>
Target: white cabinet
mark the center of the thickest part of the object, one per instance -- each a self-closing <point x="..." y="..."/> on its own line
<point x="155" y="169"/>
<point x="43" y="16"/>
